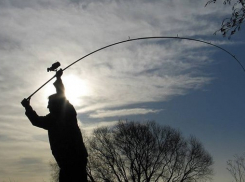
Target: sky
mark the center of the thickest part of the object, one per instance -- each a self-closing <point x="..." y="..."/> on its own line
<point x="193" y="87"/>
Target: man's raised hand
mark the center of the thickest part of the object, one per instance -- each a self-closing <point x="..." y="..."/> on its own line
<point x="59" y="73"/>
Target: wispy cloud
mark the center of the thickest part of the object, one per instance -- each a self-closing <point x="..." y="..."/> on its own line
<point x="122" y="112"/>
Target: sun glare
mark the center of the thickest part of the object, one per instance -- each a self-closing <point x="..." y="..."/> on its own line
<point x="75" y="88"/>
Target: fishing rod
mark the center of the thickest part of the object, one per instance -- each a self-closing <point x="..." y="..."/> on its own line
<point x="57" y="64"/>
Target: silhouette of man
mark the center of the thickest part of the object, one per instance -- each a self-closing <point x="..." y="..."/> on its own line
<point x="65" y="138"/>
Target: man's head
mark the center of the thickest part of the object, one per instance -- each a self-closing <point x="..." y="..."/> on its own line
<point x="56" y="103"/>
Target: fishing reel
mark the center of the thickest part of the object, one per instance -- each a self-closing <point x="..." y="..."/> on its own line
<point x="53" y="67"/>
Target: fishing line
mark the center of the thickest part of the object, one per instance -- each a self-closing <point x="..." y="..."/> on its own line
<point x="141" y="38"/>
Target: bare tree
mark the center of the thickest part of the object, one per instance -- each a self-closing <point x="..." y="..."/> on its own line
<point x="134" y="152"/>
<point x="55" y="170"/>
<point x="236" y="167"/>
<point x="233" y="24"/>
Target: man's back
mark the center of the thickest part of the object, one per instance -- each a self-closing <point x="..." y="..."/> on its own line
<point x="65" y="137"/>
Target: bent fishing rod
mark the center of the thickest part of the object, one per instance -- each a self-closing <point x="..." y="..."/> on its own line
<point x="57" y="64"/>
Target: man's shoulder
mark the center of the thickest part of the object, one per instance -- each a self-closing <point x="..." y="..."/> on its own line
<point x="50" y="116"/>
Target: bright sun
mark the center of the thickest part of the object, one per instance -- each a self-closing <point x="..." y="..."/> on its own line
<point x="75" y="88"/>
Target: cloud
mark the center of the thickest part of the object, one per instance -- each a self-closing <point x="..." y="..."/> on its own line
<point x="122" y="112"/>
<point x="140" y="91"/>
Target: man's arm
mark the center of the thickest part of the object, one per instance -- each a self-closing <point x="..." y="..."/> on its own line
<point x="38" y="121"/>
<point x="59" y="86"/>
